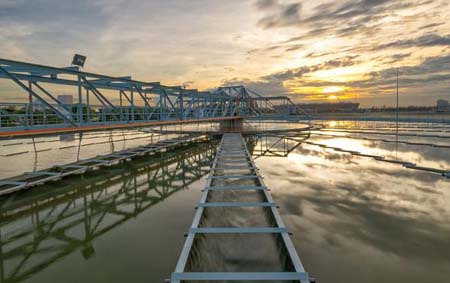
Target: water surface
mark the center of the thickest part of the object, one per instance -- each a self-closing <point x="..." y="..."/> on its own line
<point x="354" y="219"/>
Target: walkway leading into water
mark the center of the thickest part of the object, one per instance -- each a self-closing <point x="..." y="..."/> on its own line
<point x="233" y="155"/>
<point x="31" y="179"/>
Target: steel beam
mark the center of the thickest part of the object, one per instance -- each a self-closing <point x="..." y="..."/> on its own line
<point x="34" y="94"/>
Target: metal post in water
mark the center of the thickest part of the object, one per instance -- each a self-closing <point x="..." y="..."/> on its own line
<point x="397" y="102"/>
<point x="2" y="268"/>
<point x="396" y="120"/>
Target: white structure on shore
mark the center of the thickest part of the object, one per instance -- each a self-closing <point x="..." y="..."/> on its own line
<point x="442" y="106"/>
<point x="67" y="100"/>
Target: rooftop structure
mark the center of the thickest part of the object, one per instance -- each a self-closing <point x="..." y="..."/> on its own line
<point x="442" y="106"/>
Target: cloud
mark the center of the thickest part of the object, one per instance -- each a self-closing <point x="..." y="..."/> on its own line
<point x="396" y="58"/>
<point x="266" y="87"/>
<point x="208" y="47"/>
<point x="363" y="19"/>
<point x="294" y="47"/>
<point x="430" y="71"/>
<point x="429" y="26"/>
<point x="426" y="40"/>
<point x="431" y="74"/>
<point x="430" y="65"/>
<point x="400" y="56"/>
<point x="265" y="4"/>
<point x="327" y="65"/>
<point x="273" y="84"/>
<point x="287" y="15"/>
<point x="357" y="11"/>
<point x="317" y="54"/>
<point x="120" y="38"/>
<point x="376" y="31"/>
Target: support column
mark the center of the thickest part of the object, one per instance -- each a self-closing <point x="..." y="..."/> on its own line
<point x="80" y="103"/>
<point x="88" y="107"/>
<point x="181" y="101"/>
<point x="161" y="105"/>
<point x="232" y="126"/>
<point x="132" y="103"/>
<point x="30" y="101"/>
<point x="121" y="105"/>
<point x="145" y="116"/>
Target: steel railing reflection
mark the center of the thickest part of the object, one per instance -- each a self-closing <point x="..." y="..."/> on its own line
<point x="40" y="228"/>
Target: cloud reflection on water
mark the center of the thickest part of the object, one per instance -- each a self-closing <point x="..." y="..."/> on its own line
<point x="346" y="211"/>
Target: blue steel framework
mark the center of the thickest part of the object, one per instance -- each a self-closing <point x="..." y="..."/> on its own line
<point x="233" y="154"/>
<point x="253" y="104"/>
<point x="138" y="101"/>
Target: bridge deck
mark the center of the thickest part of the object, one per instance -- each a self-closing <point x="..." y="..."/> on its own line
<point x="9" y="133"/>
<point x="233" y="152"/>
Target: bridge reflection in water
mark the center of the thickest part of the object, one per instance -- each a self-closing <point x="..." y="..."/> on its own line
<point x="275" y="145"/>
<point x="43" y="225"/>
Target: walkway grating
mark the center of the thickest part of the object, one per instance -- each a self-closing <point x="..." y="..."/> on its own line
<point x="234" y="142"/>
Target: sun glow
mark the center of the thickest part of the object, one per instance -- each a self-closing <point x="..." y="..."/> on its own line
<point x="333" y="97"/>
<point x="332" y="89"/>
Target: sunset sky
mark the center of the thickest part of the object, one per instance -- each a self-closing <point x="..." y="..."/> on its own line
<point x="311" y="51"/>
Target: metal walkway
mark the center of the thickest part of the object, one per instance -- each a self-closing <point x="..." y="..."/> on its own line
<point x="94" y="206"/>
<point x="233" y="154"/>
<point x="30" y="179"/>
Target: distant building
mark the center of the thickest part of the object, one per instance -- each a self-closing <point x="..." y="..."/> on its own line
<point x="37" y="105"/>
<point x="326" y="107"/>
<point x="442" y="106"/>
<point x="339" y="107"/>
<point x="65" y="99"/>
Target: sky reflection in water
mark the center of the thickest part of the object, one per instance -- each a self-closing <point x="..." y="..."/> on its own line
<point x="355" y="219"/>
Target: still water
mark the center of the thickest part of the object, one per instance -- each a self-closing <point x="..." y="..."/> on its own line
<point x="353" y="219"/>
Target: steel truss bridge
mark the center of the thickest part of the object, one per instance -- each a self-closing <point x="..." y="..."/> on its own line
<point x="107" y="102"/>
<point x="53" y="216"/>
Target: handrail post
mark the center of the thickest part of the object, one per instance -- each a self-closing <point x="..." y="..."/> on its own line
<point x="80" y="102"/>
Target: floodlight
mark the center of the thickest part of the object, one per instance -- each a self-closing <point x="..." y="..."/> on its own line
<point x="78" y="60"/>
